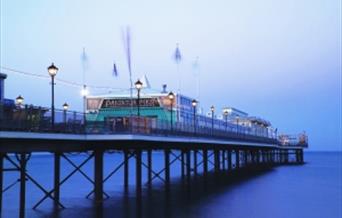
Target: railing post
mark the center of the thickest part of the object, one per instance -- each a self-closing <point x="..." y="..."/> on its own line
<point x="74" y="121"/>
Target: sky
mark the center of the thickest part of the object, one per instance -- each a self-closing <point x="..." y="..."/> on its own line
<point x="280" y="60"/>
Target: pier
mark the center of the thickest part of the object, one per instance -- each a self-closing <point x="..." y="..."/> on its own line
<point x="196" y="149"/>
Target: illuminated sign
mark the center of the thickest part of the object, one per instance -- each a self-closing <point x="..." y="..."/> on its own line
<point x="143" y="102"/>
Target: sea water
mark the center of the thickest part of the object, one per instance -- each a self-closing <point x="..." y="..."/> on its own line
<point x="311" y="190"/>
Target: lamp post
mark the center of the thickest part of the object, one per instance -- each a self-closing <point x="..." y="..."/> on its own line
<point x="212" y="108"/>
<point x="194" y="104"/>
<point x="84" y="93"/>
<point x="65" y="108"/>
<point x="138" y="85"/>
<point x="52" y="69"/>
<point x="225" y="114"/>
<point x="171" y="97"/>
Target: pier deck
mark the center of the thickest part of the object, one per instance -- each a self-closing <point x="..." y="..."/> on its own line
<point x="190" y="146"/>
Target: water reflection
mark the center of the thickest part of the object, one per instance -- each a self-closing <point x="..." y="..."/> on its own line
<point x="179" y="200"/>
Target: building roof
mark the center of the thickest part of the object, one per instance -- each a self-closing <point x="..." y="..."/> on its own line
<point x="145" y="92"/>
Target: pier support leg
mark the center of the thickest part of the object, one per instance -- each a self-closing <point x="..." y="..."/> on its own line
<point x="257" y="154"/>
<point x="273" y="156"/>
<point x="182" y="164"/>
<point x="223" y="160"/>
<point x="57" y="175"/>
<point x="301" y="155"/>
<point x="23" y="158"/>
<point x="188" y="166"/>
<point x="229" y="160"/>
<point x="286" y="156"/>
<point x="237" y="159"/>
<point x="195" y="162"/>
<point x="138" y="167"/>
<point x="205" y="162"/>
<point x="98" y="174"/>
<point x="126" y="165"/>
<point x="245" y="157"/>
<point x="298" y="153"/>
<point x="149" y="167"/>
<point x="167" y="167"/>
<point x="216" y="161"/>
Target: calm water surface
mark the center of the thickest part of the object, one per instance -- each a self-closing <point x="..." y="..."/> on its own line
<point x="310" y="190"/>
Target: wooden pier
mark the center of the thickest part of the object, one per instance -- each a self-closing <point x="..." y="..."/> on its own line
<point x="225" y="154"/>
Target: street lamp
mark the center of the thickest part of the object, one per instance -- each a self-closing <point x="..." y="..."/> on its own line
<point x="194" y="105"/>
<point x="65" y="108"/>
<point x="171" y="97"/>
<point x="212" y="108"/>
<point x="19" y="100"/>
<point x="52" y="69"/>
<point x="225" y="113"/>
<point x="84" y="91"/>
<point x="138" y="85"/>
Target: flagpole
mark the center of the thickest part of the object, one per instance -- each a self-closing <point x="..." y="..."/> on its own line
<point x="84" y="59"/>
<point x="198" y="75"/>
<point x="179" y="78"/>
<point x="127" y="44"/>
<point x="178" y="58"/>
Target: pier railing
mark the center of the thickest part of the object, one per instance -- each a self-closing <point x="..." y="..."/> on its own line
<point x="38" y="119"/>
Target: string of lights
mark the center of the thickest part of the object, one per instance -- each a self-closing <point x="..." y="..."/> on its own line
<point x="62" y="81"/>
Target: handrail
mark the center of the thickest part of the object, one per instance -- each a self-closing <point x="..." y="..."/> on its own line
<point x="38" y="119"/>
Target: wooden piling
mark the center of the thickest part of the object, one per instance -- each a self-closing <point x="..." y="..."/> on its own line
<point x="167" y="167"/>
<point x="98" y="176"/>
<point x="149" y="167"/>
<point x="57" y="175"/>
<point x="126" y="166"/>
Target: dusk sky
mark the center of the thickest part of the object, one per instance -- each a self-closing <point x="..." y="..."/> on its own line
<point x="280" y="60"/>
